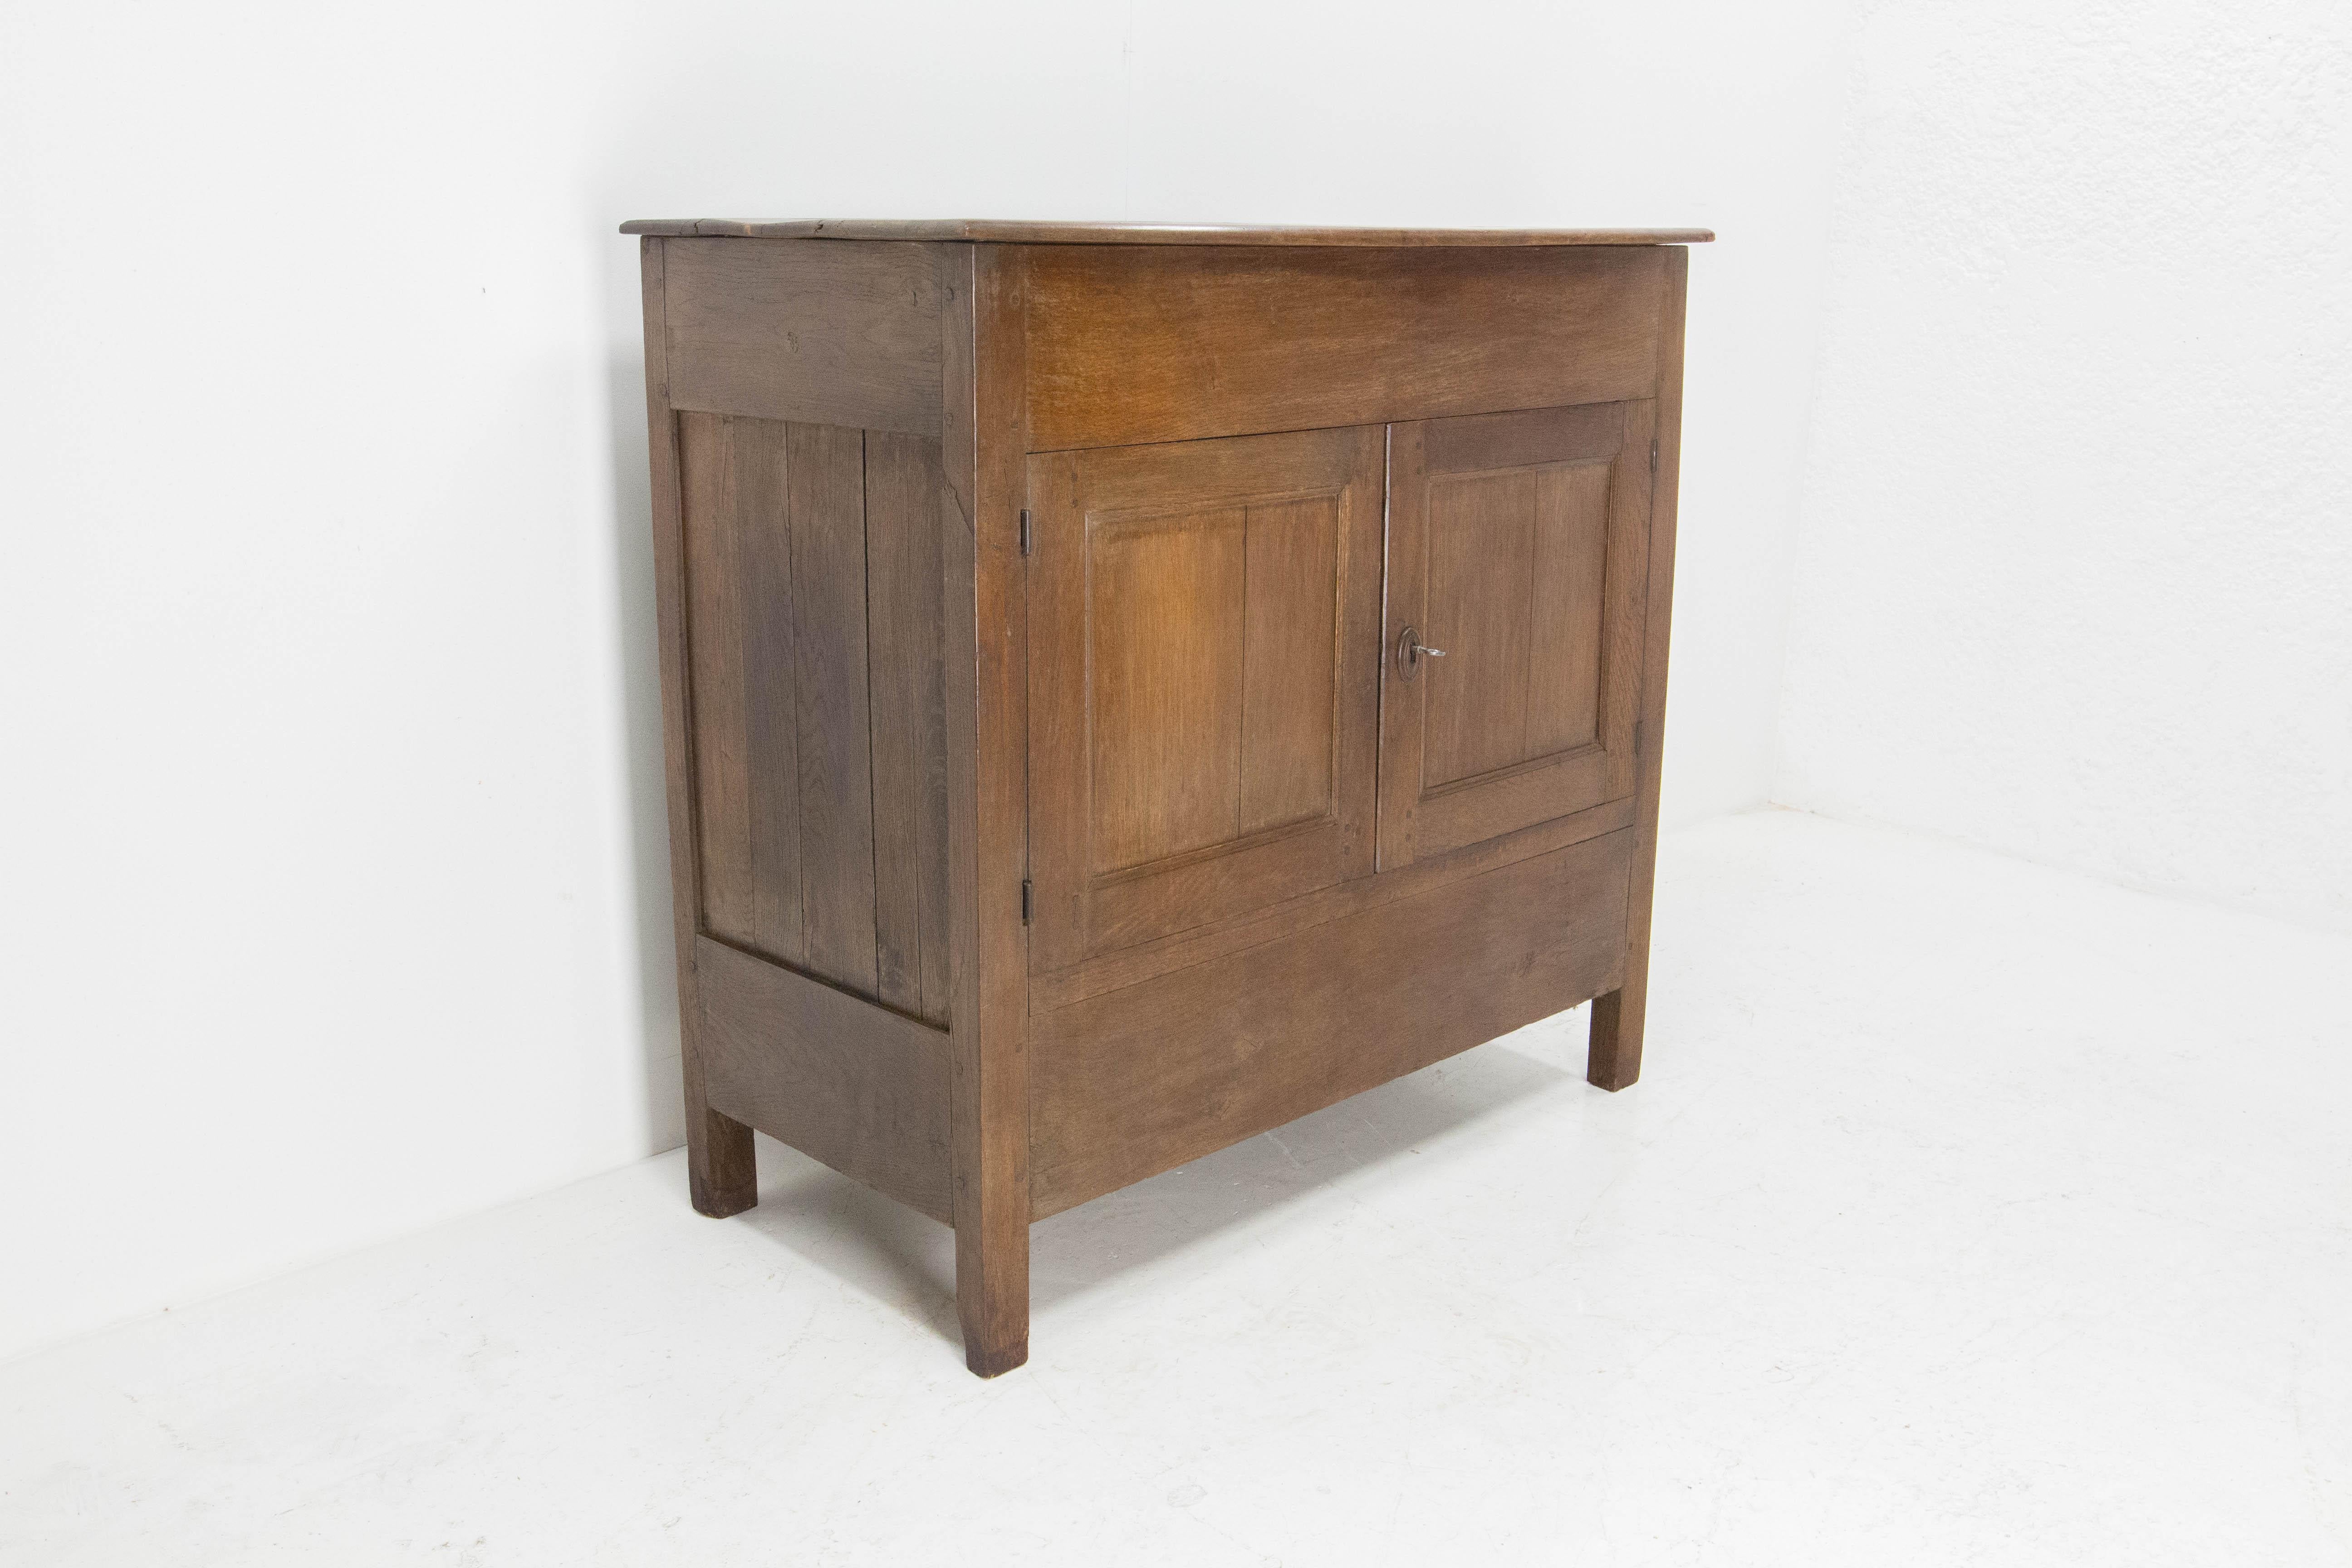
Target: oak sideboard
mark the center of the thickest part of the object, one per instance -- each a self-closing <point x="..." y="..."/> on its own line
<point x="1126" y="686"/>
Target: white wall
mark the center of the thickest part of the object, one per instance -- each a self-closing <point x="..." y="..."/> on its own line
<point x="2076" y="571"/>
<point x="334" y="890"/>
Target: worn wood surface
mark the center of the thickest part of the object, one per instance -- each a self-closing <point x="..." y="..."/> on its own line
<point x="1516" y="545"/>
<point x="841" y="334"/>
<point x="815" y="690"/>
<point x="1032" y="232"/>
<point x="722" y="1174"/>
<point x="1140" y="343"/>
<point x="825" y="484"/>
<point x="1205" y="630"/>
<point x="985" y="432"/>
<point x="908" y="674"/>
<point x="840" y="1078"/>
<point x="1614" y="1056"/>
<point x="1144" y="1078"/>
<point x="1130" y="966"/>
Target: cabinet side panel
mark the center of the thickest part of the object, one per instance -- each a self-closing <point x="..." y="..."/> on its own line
<point x="816" y="686"/>
<point x="840" y="1079"/>
<point x="1140" y="1079"/>
<point x="818" y="331"/>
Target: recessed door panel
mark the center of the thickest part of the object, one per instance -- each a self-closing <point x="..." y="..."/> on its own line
<point x="1517" y="545"/>
<point x="1206" y="623"/>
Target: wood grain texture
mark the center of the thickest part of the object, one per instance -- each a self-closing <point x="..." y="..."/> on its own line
<point x="1613" y="1058"/>
<point x="1516" y="545"/>
<point x="722" y="1174"/>
<point x="908" y="652"/>
<point x="1139" y="343"/>
<point x="1202" y="694"/>
<point x="1034" y="232"/>
<point x="825" y="482"/>
<point x="815" y="688"/>
<point x="1142" y="1079"/>
<point x="984" y="428"/>
<point x="1144" y="961"/>
<point x="839" y="1077"/>
<point x="741" y="635"/>
<point x="840" y="334"/>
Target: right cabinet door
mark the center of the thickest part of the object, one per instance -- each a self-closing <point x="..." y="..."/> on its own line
<point x="1517" y="559"/>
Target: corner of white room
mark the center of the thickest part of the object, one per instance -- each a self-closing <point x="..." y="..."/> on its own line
<point x="2073" y="579"/>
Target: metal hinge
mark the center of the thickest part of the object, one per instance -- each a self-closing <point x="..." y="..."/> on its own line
<point x="1026" y="536"/>
<point x="1025" y="900"/>
<point x="1653" y="468"/>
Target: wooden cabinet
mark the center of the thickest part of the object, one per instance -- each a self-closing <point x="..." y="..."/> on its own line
<point x="1126" y="686"/>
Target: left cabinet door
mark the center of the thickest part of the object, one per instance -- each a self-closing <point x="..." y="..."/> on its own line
<point x="1204" y="627"/>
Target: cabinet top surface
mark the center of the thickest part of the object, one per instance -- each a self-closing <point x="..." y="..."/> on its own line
<point x="1018" y="231"/>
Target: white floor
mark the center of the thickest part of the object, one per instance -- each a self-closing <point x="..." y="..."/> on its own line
<point x="1968" y="1213"/>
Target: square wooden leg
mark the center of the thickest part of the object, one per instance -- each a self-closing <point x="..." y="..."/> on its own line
<point x="1613" y="1057"/>
<point x="993" y="1296"/>
<point x="721" y="1174"/>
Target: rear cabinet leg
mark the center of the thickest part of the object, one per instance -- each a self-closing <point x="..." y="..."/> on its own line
<point x="1613" y="1057"/>
<point x="720" y="1172"/>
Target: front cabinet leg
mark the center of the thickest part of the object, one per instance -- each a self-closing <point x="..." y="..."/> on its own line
<point x="1613" y="1057"/>
<point x="993" y="1296"/>
<point x="721" y="1172"/>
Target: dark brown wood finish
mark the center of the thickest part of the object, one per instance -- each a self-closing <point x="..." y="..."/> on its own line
<point x="721" y="1179"/>
<point x="1613" y="1058"/>
<point x="1147" y="960"/>
<point x="845" y="334"/>
<point x="1165" y="718"/>
<point x="986" y="424"/>
<point x="1032" y="232"/>
<point x="808" y="711"/>
<point x="1203" y="698"/>
<point x="1141" y="1079"/>
<point x="854" y="1085"/>
<point x="906" y="636"/>
<point x="1139" y="345"/>
<point x="1517" y="550"/>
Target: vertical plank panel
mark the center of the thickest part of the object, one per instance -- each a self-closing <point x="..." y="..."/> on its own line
<point x="905" y="647"/>
<point x="1289" y="700"/>
<point x="1164" y="649"/>
<point x="1564" y="649"/>
<point x="825" y="482"/>
<point x="1481" y="553"/>
<point x="714" y="584"/>
<point x="772" y="782"/>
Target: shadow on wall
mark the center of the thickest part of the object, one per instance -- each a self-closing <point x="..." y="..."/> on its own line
<point x="906" y="1261"/>
<point x="641" y="718"/>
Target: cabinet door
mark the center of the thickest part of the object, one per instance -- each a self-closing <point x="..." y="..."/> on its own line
<point x="1518" y="551"/>
<point x="1204" y="666"/>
